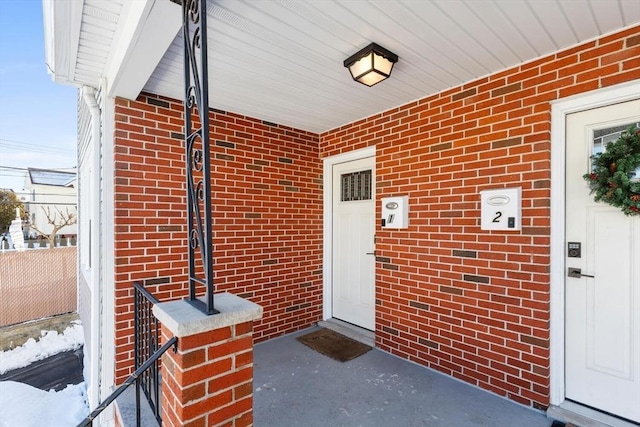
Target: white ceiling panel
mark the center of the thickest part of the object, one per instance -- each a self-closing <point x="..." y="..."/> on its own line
<point x="551" y="16"/>
<point x="609" y="14"/>
<point x="583" y="25"/>
<point x="282" y="60"/>
<point x="630" y="11"/>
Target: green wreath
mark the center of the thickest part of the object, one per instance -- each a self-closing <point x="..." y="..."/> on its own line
<point x="615" y="177"/>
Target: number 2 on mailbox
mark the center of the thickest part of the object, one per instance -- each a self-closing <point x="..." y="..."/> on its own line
<point x="501" y="209"/>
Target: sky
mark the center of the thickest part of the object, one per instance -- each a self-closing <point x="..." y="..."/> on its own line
<point x="37" y="116"/>
<point x="26" y="406"/>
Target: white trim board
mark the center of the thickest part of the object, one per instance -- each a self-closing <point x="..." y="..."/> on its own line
<point x="107" y="274"/>
<point x="327" y="270"/>
<point x="559" y="110"/>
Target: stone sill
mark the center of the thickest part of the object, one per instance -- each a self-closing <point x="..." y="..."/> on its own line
<point x="183" y="319"/>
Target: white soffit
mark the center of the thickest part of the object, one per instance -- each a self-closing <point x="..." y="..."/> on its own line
<point x="97" y="32"/>
<point x="281" y="61"/>
<point x="122" y="40"/>
<point x="142" y="38"/>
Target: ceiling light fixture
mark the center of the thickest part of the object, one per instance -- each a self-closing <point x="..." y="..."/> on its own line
<point x="371" y="65"/>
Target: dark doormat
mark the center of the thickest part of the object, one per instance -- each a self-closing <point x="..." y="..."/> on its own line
<point x="334" y="345"/>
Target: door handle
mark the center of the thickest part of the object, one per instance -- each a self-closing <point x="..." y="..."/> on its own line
<point x="577" y="273"/>
<point x="371" y="253"/>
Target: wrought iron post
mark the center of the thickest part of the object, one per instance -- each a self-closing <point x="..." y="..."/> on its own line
<point x="196" y="106"/>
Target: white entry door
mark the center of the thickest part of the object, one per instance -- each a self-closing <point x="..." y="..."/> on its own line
<point x="353" y="281"/>
<point x="602" y="312"/>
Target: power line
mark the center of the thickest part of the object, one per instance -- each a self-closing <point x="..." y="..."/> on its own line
<point x="45" y="194"/>
<point x="49" y="194"/>
<point x="41" y="203"/>
<point x="15" y="141"/>
<point x="25" y="146"/>
<point x="52" y="203"/>
<point x="28" y="193"/>
<point x="12" y="168"/>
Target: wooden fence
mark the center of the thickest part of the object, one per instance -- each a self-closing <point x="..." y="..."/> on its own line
<point x="37" y="283"/>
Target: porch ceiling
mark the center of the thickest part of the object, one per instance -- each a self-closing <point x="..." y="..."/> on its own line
<point x="281" y="61"/>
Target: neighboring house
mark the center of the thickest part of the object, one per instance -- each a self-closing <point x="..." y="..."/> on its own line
<point x="486" y="95"/>
<point x="50" y="192"/>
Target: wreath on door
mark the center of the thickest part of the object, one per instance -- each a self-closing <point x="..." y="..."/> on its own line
<point x="615" y="173"/>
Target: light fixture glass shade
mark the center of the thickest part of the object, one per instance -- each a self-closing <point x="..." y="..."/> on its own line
<point x="371" y="65"/>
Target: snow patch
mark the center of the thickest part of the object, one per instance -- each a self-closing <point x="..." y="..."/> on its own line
<point x="26" y="406"/>
<point x="50" y="343"/>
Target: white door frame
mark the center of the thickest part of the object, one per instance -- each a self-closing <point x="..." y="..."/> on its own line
<point x="559" y="110"/>
<point x="327" y="267"/>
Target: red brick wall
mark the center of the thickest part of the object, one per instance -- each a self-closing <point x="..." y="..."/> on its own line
<point x="470" y="303"/>
<point x="209" y="379"/>
<point x="267" y="204"/>
<point x="475" y="304"/>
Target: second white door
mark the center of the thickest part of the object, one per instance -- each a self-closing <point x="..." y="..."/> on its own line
<point x="353" y="279"/>
<point x="602" y="343"/>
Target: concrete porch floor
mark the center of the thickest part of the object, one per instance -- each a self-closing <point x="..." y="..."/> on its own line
<point x="297" y="386"/>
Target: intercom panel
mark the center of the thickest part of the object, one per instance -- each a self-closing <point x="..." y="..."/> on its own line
<point x="395" y="212"/>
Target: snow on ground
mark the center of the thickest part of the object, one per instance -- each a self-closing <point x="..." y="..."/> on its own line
<point x="50" y="343"/>
<point x="24" y="406"/>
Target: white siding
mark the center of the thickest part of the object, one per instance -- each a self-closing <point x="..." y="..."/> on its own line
<point x="84" y="182"/>
<point x="84" y="276"/>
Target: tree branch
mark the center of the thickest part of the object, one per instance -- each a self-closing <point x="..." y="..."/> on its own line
<point x="66" y="219"/>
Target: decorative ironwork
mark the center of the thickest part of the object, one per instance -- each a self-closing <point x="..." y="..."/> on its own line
<point x="196" y="109"/>
<point x="146" y="343"/>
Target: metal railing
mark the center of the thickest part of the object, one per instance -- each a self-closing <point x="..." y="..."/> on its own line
<point x="147" y="353"/>
<point x="128" y="382"/>
<point x="146" y="342"/>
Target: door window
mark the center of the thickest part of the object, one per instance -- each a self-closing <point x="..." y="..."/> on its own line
<point x="603" y="136"/>
<point x="355" y="186"/>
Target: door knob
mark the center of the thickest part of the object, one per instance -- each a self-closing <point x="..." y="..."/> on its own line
<point x="577" y="273"/>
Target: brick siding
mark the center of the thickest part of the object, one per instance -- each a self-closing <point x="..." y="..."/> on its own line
<point x="267" y="208"/>
<point x="470" y="303"/>
<point x="208" y="381"/>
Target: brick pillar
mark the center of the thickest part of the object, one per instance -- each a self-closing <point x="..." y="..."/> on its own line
<point x="209" y="380"/>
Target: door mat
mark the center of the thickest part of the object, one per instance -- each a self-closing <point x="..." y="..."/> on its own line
<point x="334" y="345"/>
